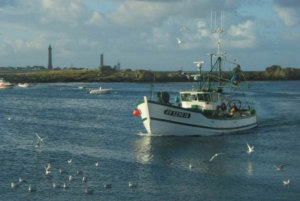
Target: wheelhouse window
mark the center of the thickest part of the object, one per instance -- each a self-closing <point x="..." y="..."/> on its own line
<point x="208" y="97"/>
<point x="204" y="97"/>
<point x="185" y="97"/>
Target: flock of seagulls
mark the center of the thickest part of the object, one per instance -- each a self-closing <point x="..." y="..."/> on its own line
<point x="249" y="151"/>
<point x="67" y="184"/>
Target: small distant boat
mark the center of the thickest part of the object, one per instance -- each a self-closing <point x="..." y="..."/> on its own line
<point x="23" y="85"/>
<point x="81" y="87"/>
<point x="100" y="91"/>
<point x="4" y="84"/>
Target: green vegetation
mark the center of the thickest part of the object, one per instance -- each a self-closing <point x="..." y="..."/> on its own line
<point x="274" y="72"/>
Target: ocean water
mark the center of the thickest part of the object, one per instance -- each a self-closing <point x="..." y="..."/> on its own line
<point x="101" y="128"/>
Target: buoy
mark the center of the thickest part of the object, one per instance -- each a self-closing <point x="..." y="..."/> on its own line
<point x="136" y="112"/>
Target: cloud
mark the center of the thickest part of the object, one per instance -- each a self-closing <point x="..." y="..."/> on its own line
<point x="95" y="20"/>
<point x="20" y="45"/>
<point x="287" y="3"/>
<point x="132" y="13"/>
<point x="62" y="11"/>
<point x="5" y="3"/>
<point x="242" y="35"/>
<point x="288" y="16"/>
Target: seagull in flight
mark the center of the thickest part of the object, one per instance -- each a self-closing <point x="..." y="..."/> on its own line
<point x="280" y="167"/>
<point x="250" y="149"/>
<point x="287" y="182"/>
<point x="48" y="167"/>
<point x="179" y="41"/>
<point x="40" y="139"/>
<point x="214" y="156"/>
<point x="47" y="172"/>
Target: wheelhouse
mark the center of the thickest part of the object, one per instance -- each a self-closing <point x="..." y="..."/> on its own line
<point x="202" y="100"/>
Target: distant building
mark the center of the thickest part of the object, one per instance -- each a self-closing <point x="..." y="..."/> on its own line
<point x="50" y="67"/>
<point x="101" y="60"/>
<point x="106" y="68"/>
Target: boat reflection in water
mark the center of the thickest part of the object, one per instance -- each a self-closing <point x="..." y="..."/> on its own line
<point x="181" y="152"/>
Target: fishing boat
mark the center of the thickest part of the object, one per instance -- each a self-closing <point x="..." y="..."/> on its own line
<point x="100" y="91"/>
<point x="4" y="84"/>
<point x="206" y="111"/>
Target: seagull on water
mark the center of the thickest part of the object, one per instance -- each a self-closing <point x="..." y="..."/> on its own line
<point x="79" y="172"/>
<point x="30" y="189"/>
<point x="21" y="180"/>
<point x="70" y="177"/>
<point x="88" y="191"/>
<point x="287" y="182"/>
<point x="84" y="179"/>
<point x="214" y="156"/>
<point x="54" y="185"/>
<point x="65" y="186"/>
<point x="280" y="167"/>
<point x="250" y="149"/>
<point x="131" y="185"/>
<point x="190" y="166"/>
<point x="97" y="164"/>
<point x="60" y="171"/>
<point x="107" y="185"/>
<point x="70" y="161"/>
<point x="14" y="185"/>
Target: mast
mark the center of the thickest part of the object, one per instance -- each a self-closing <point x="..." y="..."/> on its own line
<point x="218" y="30"/>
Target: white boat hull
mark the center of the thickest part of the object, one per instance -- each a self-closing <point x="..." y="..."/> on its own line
<point x="161" y="119"/>
<point x="100" y="91"/>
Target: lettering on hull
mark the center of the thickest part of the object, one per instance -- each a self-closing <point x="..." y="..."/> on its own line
<point x="177" y="114"/>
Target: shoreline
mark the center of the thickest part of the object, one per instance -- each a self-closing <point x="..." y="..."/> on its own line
<point x="139" y="76"/>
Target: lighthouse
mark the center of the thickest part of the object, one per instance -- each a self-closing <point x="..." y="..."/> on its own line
<point x="50" y="67"/>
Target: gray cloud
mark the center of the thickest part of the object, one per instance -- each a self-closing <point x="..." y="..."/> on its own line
<point x="288" y="3"/>
<point x="5" y="3"/>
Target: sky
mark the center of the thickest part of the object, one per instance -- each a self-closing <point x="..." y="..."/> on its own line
<point x="142" y="34"/>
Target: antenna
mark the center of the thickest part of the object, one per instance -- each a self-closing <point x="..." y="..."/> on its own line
<point x="218" y="29"/>
<point x="199" y="64"/>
